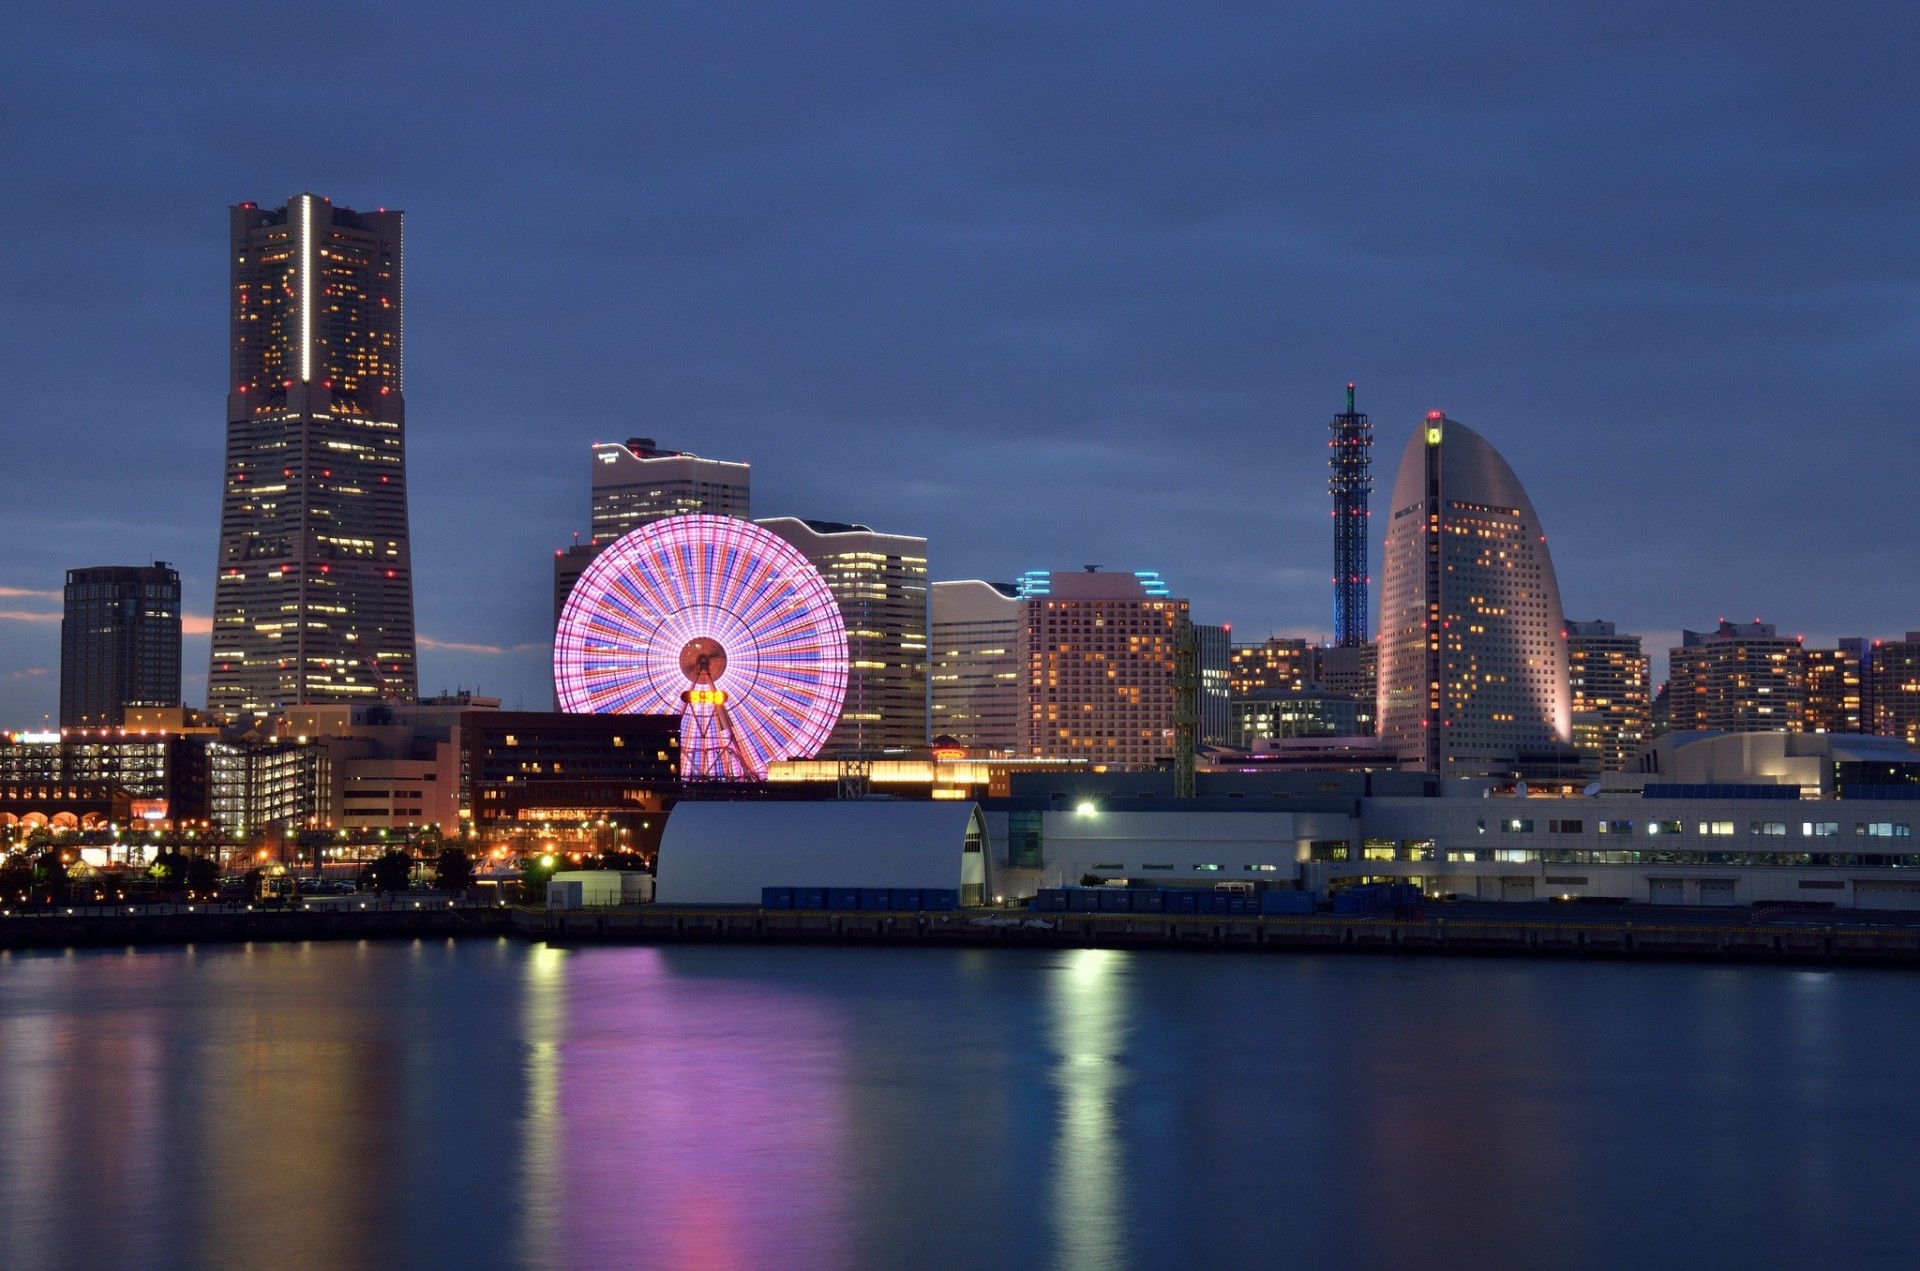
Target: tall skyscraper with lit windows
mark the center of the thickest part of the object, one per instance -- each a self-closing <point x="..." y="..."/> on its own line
<point x="313" y="598"/>
<point x="1473" y="644"/>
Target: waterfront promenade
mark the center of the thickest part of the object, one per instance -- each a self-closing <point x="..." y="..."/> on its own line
<point x="1512" y="930"/>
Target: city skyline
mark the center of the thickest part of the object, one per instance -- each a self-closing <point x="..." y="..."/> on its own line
<point x="1660" y="363"/>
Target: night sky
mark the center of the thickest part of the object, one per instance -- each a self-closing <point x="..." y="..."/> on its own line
<point x="1050" y="284"/>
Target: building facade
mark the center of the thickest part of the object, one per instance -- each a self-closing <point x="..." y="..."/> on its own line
<point x="313" y="592"/>
<point x="1096" y="653"/>
<point x="119" y="643"/>
<point x="973" y="681"/>
<point x="1739" y="677"/>
<point x="1276" y="664"/>
<point x="1837" y="697"/>
<point x="1609" y="677"/>
<point x="1893" y="677"/>
<point x="1473" y="651"/>
<point x="1214" y="645"/>
<point x="638" y="482"/>
<point x="880" y="581"/>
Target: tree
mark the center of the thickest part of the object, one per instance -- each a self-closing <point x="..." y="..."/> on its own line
<point x="169" y="869"/>
<point x="16" y="878"/>
<point x="392" y="872"/>
<point x="452" y="870"/>
<point x="50" y="874"/>
<point x="203" y="876"/>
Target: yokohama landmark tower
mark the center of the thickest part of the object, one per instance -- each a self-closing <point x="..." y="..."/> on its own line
<point x="313" y="601"/>
<point x="1350" y="456"/>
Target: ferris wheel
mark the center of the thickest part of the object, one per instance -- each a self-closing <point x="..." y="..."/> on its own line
<point x="716" y="620"/>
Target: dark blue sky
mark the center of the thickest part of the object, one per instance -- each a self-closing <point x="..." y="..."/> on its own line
<point x="1051" y="284"/>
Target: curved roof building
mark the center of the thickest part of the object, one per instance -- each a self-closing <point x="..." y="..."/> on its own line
<point x="1473" y="646"/>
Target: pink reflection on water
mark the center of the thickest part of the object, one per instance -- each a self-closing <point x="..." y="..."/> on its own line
<point x="702" y="1120"/>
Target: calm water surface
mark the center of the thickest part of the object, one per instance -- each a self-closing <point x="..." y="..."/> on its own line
<point x="493" y="1104"/>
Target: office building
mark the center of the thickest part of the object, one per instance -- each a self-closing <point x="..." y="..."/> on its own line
<point x="1350" y="456"/>
<point x="637" y="482"/>
<point x="1739" y="677"/>
<point x="313" y="593"/>
<point x="1608" y="676"/>
<point x="119" y="643"/>
<point x="600" y="780"/>
<point x="974" y="666"/>
<point x="1837" y="696"/>
<point x="1277" y="714"/>
<point x="1351" y="670"/>
<point x="1096" y="653"/>
<point x="1214" y="645"/>
<point x="1473" y="652"/>
<point x="880" y="581"/>
<point x="1276" y="663"/>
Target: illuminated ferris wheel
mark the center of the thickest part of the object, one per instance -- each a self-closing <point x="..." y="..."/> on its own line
<point x="718" y="621"/>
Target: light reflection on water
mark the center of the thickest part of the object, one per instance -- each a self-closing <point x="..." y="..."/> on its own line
<point x="491" y="1104"/>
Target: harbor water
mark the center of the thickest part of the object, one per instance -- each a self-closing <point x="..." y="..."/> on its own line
<point x="490" y="1103"/>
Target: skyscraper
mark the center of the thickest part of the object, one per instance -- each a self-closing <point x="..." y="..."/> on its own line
<point x="313" y="596"/>
<point x="1741" y="677"/>
<point x="639" y="482"/>
<point x="880" y="581"/>
<point x="973" y="675"/>
<point x="119" y="643"/>
<point x="1097" y="666"/>
<point x="1473" y="647"/>
<point x="1609" y="677"/>
<point x="1350" y="456"/>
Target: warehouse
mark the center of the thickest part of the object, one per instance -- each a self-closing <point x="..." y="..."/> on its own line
<point x="726" y="853"/>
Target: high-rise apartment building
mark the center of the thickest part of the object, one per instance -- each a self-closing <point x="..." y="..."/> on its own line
<point x="313" y="595"/>
<point x="1473" y="649"/>
<point x="880" y="581"/>
<point x="1350" y="456"/>
<point x="1894" y="680"/>
<point x="119" y="643"/>
<point x="1609" y="677"/>
<point x="1837" y="697"/>
<point x="638" y="482"/>
<point x="1097" y="666"/>
<point x="974" y="665"/>
<point x="1742" y="677"/>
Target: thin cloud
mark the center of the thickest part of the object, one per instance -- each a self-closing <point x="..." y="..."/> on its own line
<point x="29" y="672"/>
<point x="196" y="624"/>
<point x="458" y="646"/>
<point x="28" y="591"/>
<point x="23" y="615"/>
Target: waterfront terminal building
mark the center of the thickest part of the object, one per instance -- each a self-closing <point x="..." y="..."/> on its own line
<point x="1721" y="819"/>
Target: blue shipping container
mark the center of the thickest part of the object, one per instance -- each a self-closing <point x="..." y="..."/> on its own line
<point x="1286" y="902"/>
<point x="876" y="898"/>
<point x="776" y="897"/>
<point x="907" y="901"/>
<point x="1149" y="902"/>
<point x="843" y="897"/>
<point x="1084" y="899"/>
<point x="1115" y="900"/>
<point x="1181" y="902"/>
<point x="809" y="898"/>
<point x="940" y="898"/>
